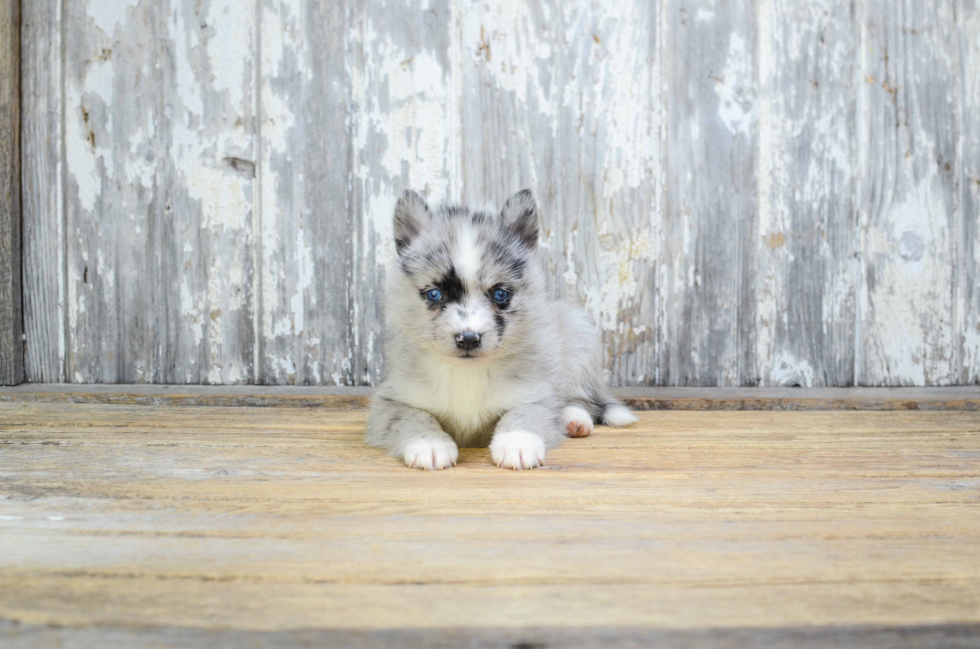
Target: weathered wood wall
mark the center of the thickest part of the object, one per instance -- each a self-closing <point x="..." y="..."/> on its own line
<point x="770" y="193"/>
<point x="11" y="316"/>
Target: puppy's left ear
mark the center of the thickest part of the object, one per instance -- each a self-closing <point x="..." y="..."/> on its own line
<point x="411" y="216"/>
<point x="520" y="214"/>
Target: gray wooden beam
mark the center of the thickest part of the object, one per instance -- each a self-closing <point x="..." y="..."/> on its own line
<point x="947" y="636"/>
<point x="11" y="319"/>
<point x="638" y="398"/>
<point x="42" y="193"/>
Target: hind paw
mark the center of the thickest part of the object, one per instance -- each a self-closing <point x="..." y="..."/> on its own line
<point x="577" y="421"/>
<point x="618" y="416"/>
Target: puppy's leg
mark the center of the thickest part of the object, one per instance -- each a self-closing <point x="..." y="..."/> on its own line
<point x="411" y="434"/>
<point x="523" y="434"/>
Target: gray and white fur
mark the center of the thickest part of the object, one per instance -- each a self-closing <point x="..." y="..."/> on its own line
<point x="477" y="353"/>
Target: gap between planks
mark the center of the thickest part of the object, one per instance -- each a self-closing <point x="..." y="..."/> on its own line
<point x="637" y="398"/>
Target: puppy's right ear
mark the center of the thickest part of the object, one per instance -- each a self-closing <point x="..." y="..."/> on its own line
<point x="411" y="216"/>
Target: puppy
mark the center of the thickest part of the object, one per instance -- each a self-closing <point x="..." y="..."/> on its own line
<point x="476" y="351"/>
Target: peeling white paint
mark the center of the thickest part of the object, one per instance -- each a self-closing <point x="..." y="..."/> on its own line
<point x="735" y="88"/>
<point x="788" y="371"/>
<point x="571" y="276"/>
<point x="109" y="14"/>
<point x="767" y="308"/>
<point x="910" y="302"/>
<point x="582" y="89"/>
<point x="501" y="39"/>
<point x="406" y="115"/>
<point x="231" y="28"/>
<point x="704" y="15"/>
<point x="618" y="266"/>
<point x="85" y="152"/>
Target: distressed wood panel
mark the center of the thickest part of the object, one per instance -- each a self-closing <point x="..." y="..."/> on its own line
<point x="711" y="225"/>
<point x="509" y="85"/>
<point x="304" y="323"/>
<point x="404" y="133"/>
<point x="610" y="110"/>
<point x="739" y="194"/>
<point x="968" y="279"/>
<point x="909" y="198"/>
<point x="159" y="136"/>
<point x="807" y="119"/>
<point x="43" y="197"/>
<point x="11" y="316"/>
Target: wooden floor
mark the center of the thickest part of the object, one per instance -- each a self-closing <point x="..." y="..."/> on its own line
<point x="133" y="525"/>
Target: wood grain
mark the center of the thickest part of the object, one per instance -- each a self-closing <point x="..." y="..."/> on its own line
<point x="303" y="325"/>
<point x="11" y="300"/>
<point x="160" y="152"/>
<point x="405" y="134"/>
<point x="203" y="520"/>
<point x="968" y="278"/>
<point x="711" y="228"/>
<point x="43" y="197"/>
<point x="805" y="319"/>
<point x="741" y="195"/>
<point x="909" y="203"/>
<point x="611" y="182"/>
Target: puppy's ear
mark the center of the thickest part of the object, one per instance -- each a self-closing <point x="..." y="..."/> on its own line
<point x="411" y="216"/>
<point x="520" y="214"/>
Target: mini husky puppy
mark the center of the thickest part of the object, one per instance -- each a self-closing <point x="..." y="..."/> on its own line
<point x="476" y="351"/>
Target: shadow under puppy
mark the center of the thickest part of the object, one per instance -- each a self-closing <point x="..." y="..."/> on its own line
<point x="477" y="353"/>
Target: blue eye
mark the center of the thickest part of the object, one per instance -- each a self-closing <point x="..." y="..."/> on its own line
<point x="433" y="295"/>
<point x="501" y="295"/>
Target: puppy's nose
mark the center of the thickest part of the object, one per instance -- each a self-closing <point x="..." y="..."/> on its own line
<point x="468" y="340"/>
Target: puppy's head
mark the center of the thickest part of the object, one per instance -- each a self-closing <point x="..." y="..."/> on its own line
<point x="467" y="277"/>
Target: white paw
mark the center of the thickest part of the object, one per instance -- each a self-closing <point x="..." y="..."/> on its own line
<point x="577" y="422"/>
<point x="517" y="450"/>
<point x="431" y="454"/>
<point x="617" y="416"/>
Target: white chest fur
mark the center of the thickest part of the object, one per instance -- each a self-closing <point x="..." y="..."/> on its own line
<point x="467" y="396"/>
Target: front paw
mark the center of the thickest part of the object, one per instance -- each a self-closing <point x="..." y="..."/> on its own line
<point x="431" y="454"/>
<point x="517" y="450"/>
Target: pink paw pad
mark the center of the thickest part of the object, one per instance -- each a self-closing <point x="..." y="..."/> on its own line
<point x="578" y="429"/>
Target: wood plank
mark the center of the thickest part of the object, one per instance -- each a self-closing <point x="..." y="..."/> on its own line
<point x="807" y="133"/>
<point x="304" y="328"/>
<point x="160" y="155"/>
<point x="44" y="236"/>
<point x="711" y="202"/>
<point x="208" y="524"/>
<point x="968" y="276"/>
<point x="404" y="133"/>
<point x="610" y="109"/>
<point x="11" y="299"/>
<point x="909" y="202"/>
<point x="510" y="87"/>
<point x="947" y="398"/>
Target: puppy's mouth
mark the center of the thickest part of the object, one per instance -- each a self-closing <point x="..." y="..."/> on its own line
<point x="469" y="354"/>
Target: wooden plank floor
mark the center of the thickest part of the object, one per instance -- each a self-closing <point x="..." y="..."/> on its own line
<point x="152" y="525"/>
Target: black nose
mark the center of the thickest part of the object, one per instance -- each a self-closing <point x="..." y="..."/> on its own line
<point x="468" y="340"/>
